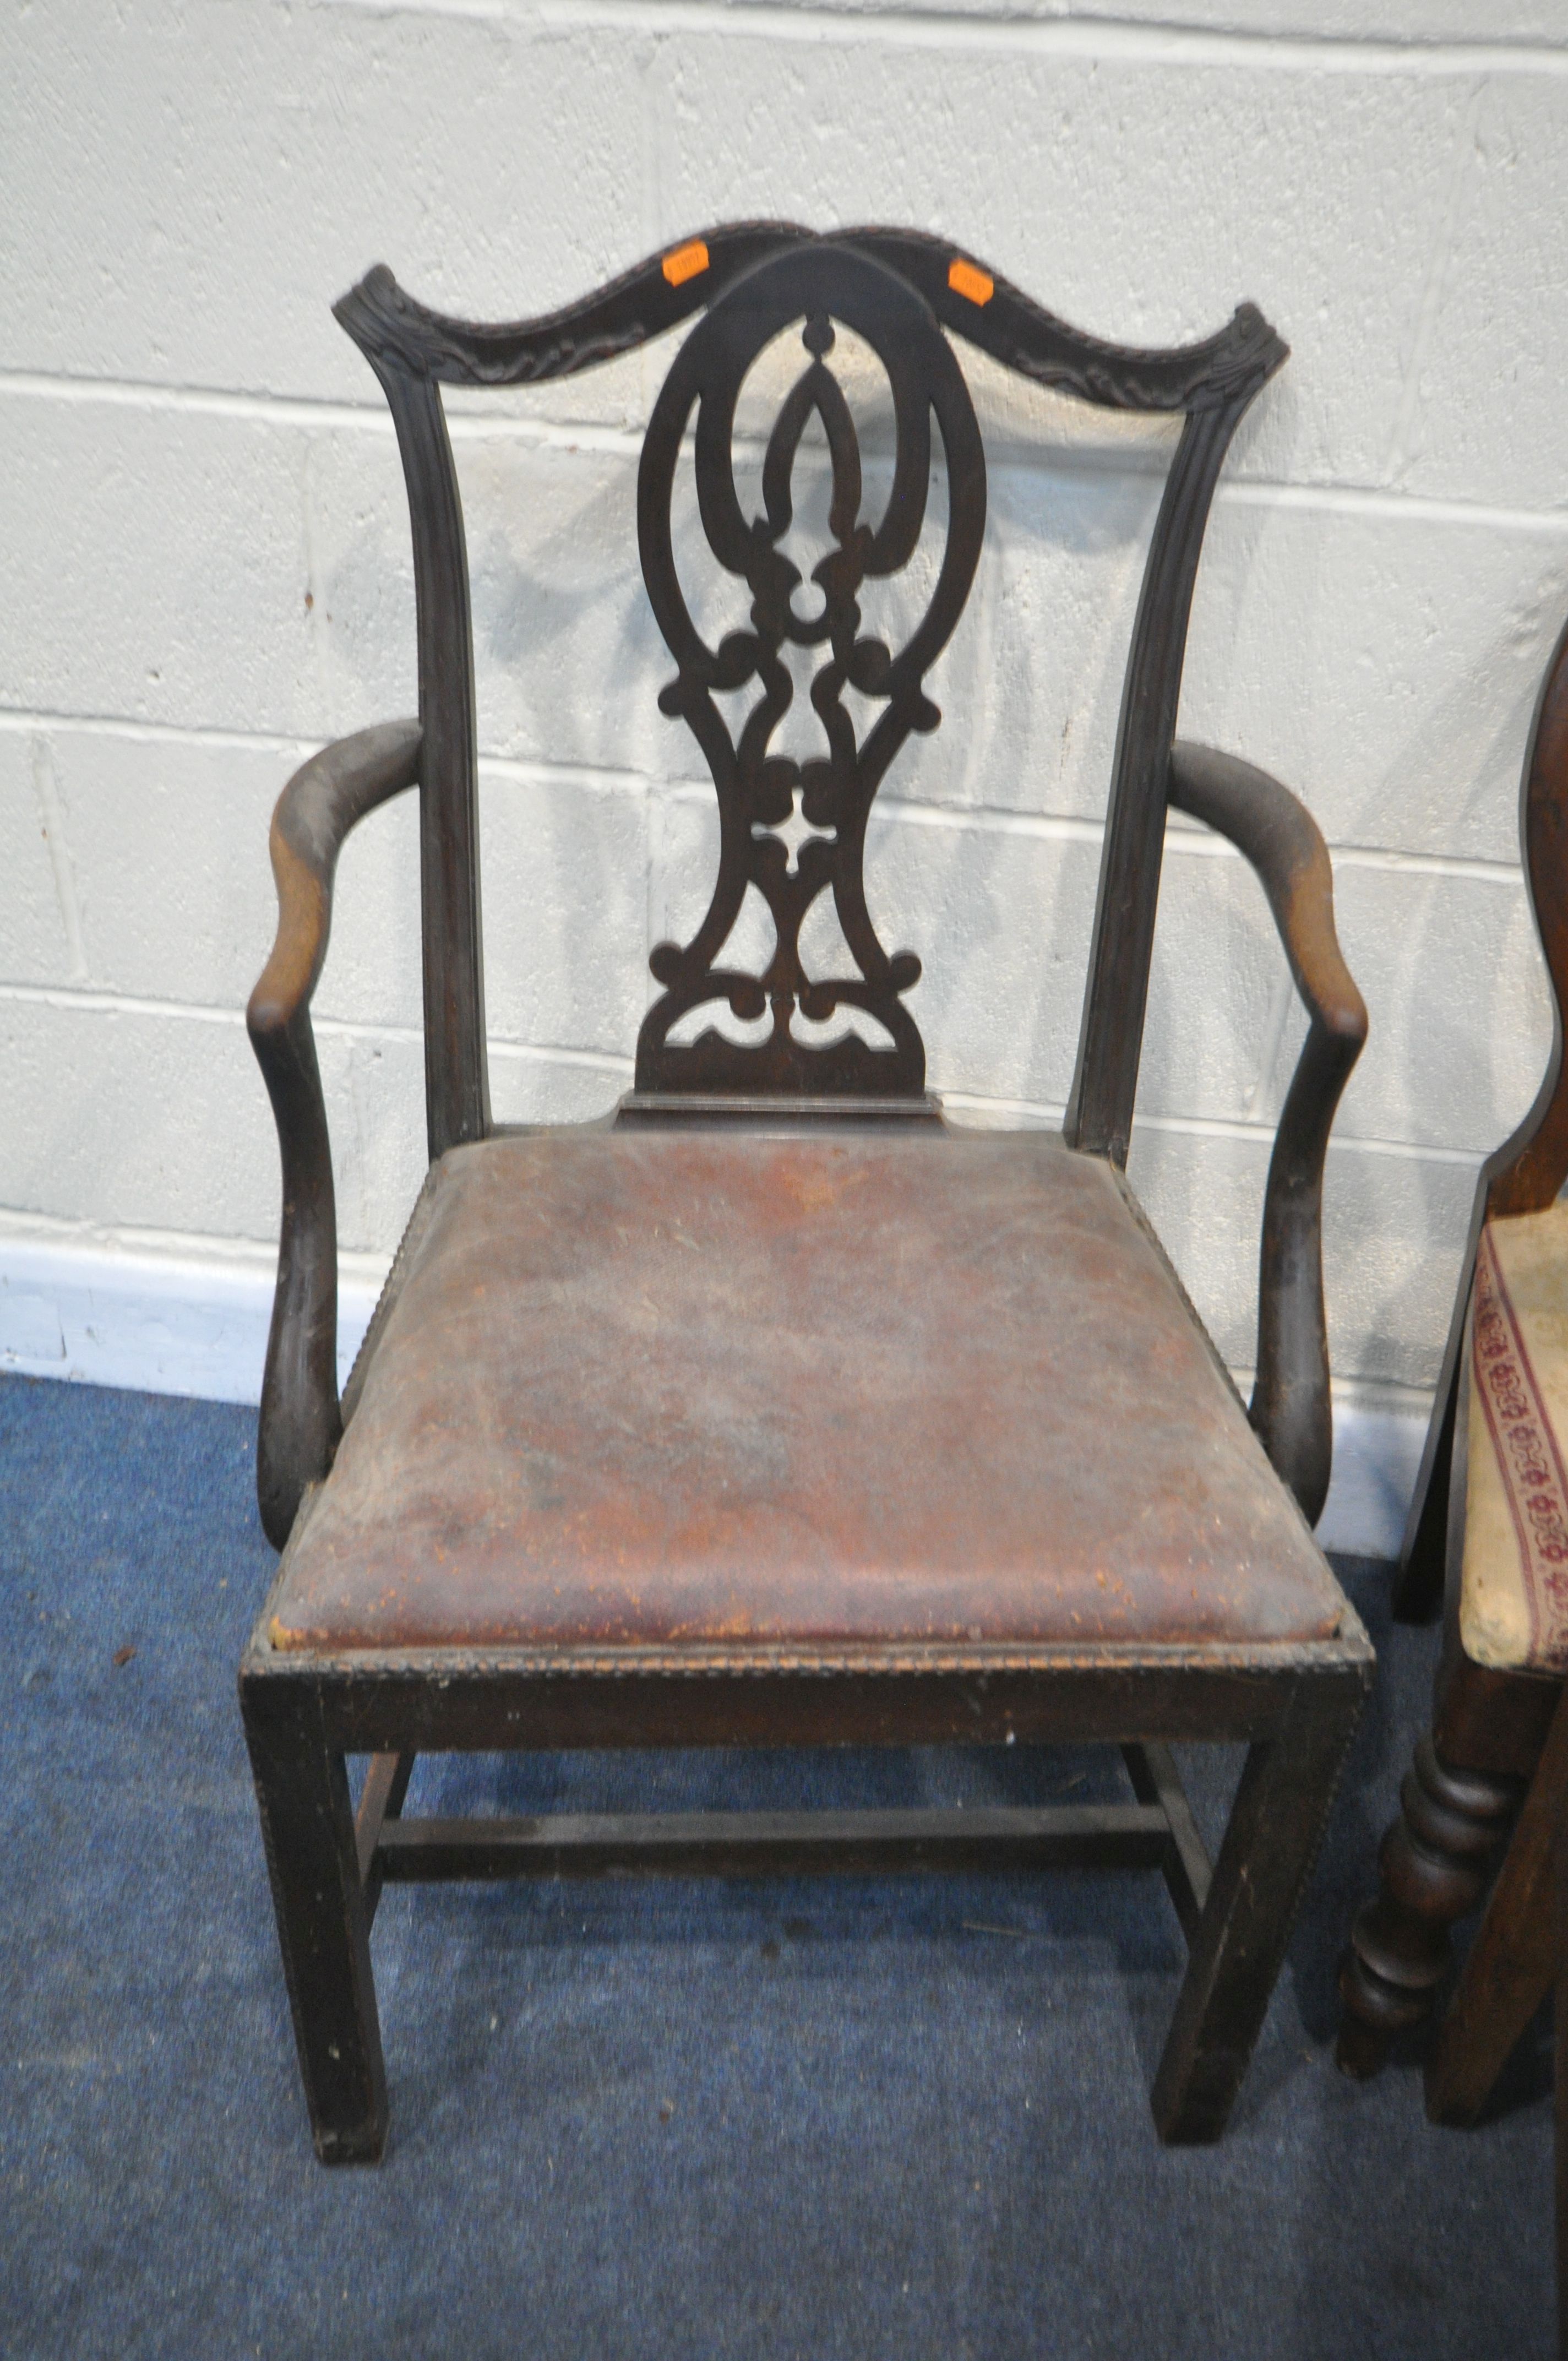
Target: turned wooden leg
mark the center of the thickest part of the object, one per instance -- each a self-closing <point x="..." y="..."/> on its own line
<point x="1511" y="1963"/>
<point x="1434" y="1864"/>
<point x="307" y="1825"/>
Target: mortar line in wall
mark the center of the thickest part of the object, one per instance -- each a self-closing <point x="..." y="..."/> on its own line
<point x="147" y="393"/>
<point x="125" y="1004"/>
<point x="498" y="1045"/>
<point x="1393" y="1396"/>
<point x="1005" y="454"/>
<point x="611" y="1062"/>
<point x="19" y="1227"/>
<point x="992" y="819"/>
<point x="1064" y="828"/>
<point x="155" y="733"/>
<point x="1387" y="505"/>
<point x="1181" y="839"/>
<point x="602" y="778"/>
<point x="1427" y="864"/>
<point x="1184" y="838"/>
<point x="1008" y="457"/>
<point x="118" y="1004"/>
<point x="593" y="779"/>
<point x="1048" y="1111"/>
<point x="1197" y="1127"/>
<point x="1099" y="39"/>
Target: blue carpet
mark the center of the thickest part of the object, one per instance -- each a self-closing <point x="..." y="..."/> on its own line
<point x="900" y="2116"/>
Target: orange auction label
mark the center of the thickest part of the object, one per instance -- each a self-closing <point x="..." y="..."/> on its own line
<point x="684" y="262"/>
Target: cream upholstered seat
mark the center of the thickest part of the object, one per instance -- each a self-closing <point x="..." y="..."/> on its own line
<point x="1514" y="1597"/>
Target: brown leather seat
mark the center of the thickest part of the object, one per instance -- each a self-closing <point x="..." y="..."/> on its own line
<point x="669" y="1388"/>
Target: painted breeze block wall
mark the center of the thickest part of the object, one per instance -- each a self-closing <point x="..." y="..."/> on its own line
<point x="207" y="571"/>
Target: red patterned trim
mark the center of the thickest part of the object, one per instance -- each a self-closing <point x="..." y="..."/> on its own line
<point x="1530" y="1460"/>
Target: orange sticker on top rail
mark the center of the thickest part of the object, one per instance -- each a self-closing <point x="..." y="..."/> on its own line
<point x="965" y="278"/>
<point x="684" y="262"/>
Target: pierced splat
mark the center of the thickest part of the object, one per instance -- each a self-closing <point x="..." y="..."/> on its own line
<point x="793" y="833"/>
<point x="796" y="830"/>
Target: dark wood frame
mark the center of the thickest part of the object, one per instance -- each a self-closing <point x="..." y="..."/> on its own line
<point x="1294" y="1707"/>
<point x="1471" y="1771"/>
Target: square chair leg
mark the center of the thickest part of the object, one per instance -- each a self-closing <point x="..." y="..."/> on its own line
<point x="1276" y="1826"/>
<point x="307" y="1826"/>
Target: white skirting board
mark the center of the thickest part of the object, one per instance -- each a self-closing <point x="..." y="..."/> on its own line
<point x="168" y="1323"/>
<point x="156" y="1322"/>
<point x="1378" y="1453"/>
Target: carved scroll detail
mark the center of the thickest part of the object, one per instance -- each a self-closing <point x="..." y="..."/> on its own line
<point x="758" y="791"/>
<point x="393" y="326"/>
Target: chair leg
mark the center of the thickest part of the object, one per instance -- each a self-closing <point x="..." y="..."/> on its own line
<point x="1511" y="1964"/>
<point x="307" y="1826"/>
<point x="1432" y="1869"/>
<point x="1276" y="1825"/>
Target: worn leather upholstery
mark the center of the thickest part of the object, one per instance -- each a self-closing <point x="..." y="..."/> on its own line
<point x="1513" y="1611"/>
<point x="671" y="1387"/>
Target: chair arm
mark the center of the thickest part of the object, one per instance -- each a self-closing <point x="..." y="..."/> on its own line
<point x="299" y="1425"/>
<point x="1290" y="1408"/>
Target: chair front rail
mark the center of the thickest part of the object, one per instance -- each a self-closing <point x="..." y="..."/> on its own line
<point x="1290" y="1407"/>
<point x="300" y="1423"/>
<point x="450" y="1699"/>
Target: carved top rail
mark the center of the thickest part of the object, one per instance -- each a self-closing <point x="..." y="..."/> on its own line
<point x="657" y="294"/>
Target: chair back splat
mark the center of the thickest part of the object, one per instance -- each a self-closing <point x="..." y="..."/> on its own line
<point x="898" y="291"/>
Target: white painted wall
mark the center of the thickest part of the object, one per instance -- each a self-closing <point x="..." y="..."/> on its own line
<point x="208" y="574"/>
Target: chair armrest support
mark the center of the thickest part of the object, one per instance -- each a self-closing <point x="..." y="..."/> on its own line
<point x="299" y="1425"/>
<point x="1290" y="1408"/>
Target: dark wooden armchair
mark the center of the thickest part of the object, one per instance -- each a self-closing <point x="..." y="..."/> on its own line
<point x="772" y="1410"/>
